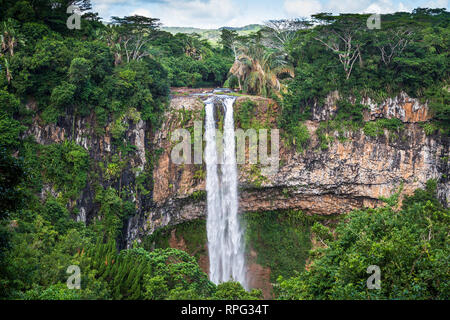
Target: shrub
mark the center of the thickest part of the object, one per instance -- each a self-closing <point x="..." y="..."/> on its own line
<point x="409" y="246"/>
<point x="246" y="114"/>
<point x="300" y="136"/>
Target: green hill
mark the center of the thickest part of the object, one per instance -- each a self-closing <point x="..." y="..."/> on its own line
<point x="213" y="35"/>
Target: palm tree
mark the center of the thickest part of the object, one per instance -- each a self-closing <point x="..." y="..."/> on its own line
<point x="8" y="41"/>
<point x="258" y="70"/>
<point x="8" y="70"/>
<point x="8" y="37"/>
<point x="194" y="47"/>
<point x="113" y="39"/>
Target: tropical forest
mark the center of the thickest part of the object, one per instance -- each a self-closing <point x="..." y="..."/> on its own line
<point x="303" y="157"/>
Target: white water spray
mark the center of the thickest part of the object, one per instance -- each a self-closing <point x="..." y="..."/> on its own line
<point x="225" y="235"/>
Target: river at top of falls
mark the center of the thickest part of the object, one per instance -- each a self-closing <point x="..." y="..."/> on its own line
<point x="225" y="235"/>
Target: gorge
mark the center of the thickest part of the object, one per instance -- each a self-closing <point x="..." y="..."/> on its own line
<point x="353" y="173"/>
<point x="324" y="150"/>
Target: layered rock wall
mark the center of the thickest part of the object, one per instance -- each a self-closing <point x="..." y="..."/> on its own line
<point x="352" y="173"/>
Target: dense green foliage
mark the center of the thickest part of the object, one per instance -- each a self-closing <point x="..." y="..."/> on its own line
<point x="410" y="246"/>
<point x="233" y="291"/>
<point x="193" y="62"/>
<point x="408" y="54"/>
<point x="66" y="164"/>
<point x="281" y="240"/>
<point x="160" y="274"/>
<point x="11" y="199"/>
<point x="191" y="233"/>
<point x="51" y="74"/>
<point x="246" y="114"/>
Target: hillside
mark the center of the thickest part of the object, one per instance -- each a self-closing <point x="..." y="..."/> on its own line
<point x="213" y="35"/>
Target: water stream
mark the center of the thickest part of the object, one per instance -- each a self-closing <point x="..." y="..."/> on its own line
<point x="225" y="235"/>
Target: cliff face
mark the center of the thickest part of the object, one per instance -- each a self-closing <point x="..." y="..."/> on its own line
<point x="101" y="148"/>
<point x="352" y="173"/>
<point x="348" y="175"/>
<point x="403" y="107"/>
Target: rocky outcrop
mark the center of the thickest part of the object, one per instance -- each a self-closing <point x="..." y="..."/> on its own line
<point x="350" y="174"/>
<point x="354" y="173"/>
<point x="99" y="144"/>
<point x="403" y="107"/>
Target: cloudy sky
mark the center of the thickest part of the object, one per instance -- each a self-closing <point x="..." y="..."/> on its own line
<point x="219" y="13"/>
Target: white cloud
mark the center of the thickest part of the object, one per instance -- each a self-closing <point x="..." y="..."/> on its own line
<point x="436" y="4"/>
<point x="205" y="14"/>
<point x="385" y="6"/>
<point x="346" y="6"/>
<point x="302" y="8"/>
<point x="308" y="7"/>
<point x="197" y="13"/>
<point x="142" y="12"/>
<point x="219" y="13"/>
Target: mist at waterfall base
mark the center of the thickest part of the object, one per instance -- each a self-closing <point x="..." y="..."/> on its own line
<point x="225" y="235"/>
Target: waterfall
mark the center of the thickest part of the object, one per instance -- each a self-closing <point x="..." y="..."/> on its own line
<point x="225" y="235"/>
<point x="212" y="194"/>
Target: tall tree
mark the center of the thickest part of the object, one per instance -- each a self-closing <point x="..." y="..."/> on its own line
<point x="258" y="70"/>
<point x="135" y="33"/>
<point x="228" y="40"/>
<point x="393" y="38"/>
<point x="278" y="33"/>
<point x="9" y="39"/>
<point x="340" y="34"/>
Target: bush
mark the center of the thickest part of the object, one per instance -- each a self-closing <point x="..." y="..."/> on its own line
<point x="409" y="246"/>
<point x="376" y="128"/>
<point x="246" y="113"/>
<point x="232" y="290"/>
<point x="66" y="166"/>
<point x="300" y="136"/>
<point x="54" y="292"/>
<point x="280" y="239"/>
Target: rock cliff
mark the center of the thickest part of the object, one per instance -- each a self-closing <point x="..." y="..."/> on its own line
<point x="352" y="173"/>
